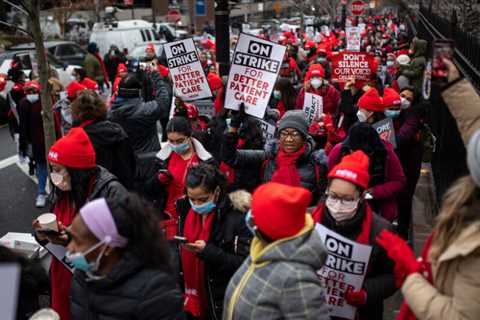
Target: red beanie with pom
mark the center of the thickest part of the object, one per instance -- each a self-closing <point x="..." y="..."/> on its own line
<point x="279" y="210"/>
<point x="391" y="98"/>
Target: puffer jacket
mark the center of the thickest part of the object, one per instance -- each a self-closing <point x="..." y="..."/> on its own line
<point x="279" y="280"/>
<point x="131" y="291"/>
<point x="93" y="68"/>
<point x="379" y="281"/>
<point x="456" y="294"/>
<point x="415" y="69"/>
<point x="311" y="167"/>
<point x="226" y="248"/>
<point x="113" y="150"/>
<point x="139" y="120"/>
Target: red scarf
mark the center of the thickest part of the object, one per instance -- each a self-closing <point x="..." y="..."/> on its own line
<point x="196" y="297"/>
<point x="425" y="269"/>
<point x="60" y="277"/>
<point x="286" y="171"/>
<point x="364" y="236"/>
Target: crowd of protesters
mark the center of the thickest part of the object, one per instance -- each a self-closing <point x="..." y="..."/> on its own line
<point x="218" y="221"/>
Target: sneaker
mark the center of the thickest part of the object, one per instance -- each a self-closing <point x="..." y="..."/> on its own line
<point x="41" y="201"/>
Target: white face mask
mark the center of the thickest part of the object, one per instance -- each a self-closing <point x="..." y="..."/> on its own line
<point x="32" y="97"/>
<point x="59" y="181"/>
<point x="341" y="210"/>
<point x="316" y="83"/>
<point x="390" y="63"/>
<point x="361" y="116"/>
<point x="405" y="103"/>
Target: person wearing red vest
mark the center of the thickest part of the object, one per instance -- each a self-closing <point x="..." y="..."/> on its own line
<point x="345" y="211"/>
<point x="77" y="180"/>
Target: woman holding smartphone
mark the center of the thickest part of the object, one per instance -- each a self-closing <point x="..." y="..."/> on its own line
<point x="77" y="180"/>
<point x="215" y="239"/>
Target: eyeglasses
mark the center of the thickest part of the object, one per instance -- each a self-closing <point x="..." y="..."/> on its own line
<point x="292" y="134"/>
<point x="342" y="200"/>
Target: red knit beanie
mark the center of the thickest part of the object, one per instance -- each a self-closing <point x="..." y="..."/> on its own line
<point x="74" y="150"/>
<point x="214" y="81"/>
<point x="391" y="98"/>
<point x="371" y="101"/>
<point x="73" y="88"/>
<point x="353" y="168"/>
<point x="279" y="210"/>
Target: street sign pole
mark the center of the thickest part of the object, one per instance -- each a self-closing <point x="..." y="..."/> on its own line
<point x="222" y="36"/>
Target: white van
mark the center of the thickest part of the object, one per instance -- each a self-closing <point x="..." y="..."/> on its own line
<point x="124" y="34"/>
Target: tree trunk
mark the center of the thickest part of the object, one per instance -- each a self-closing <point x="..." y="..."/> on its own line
<point x="43" y="72"/>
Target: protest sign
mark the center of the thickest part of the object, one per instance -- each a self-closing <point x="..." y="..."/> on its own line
<point x="344" y="269"/>
<point x="386" y="131"/>
<point x="353" y="39"/>
<point x="357" y="65"/>
<point x="268" y="130"/>
<point x="10" y="280"/>
<point x="186" y="70"/>
<point x="255" y="66"/>
<point x="312" y="106"/>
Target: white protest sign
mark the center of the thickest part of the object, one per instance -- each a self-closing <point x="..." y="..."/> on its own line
<point x="268" y="129"/>
<point x="255" y="66"/>
<point x="353" y="39"/>
<point x="187" y="73"/>
<point x="312" y="106"/>
<point x="344" y="269"/>
<point x="10" y="280"/>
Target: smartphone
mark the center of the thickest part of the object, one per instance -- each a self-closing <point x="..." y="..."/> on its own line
<point x="50" y="232"/>
<point x="441" y="49"/>
<point x="180" y="239"/>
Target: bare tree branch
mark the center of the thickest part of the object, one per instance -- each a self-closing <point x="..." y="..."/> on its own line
<point x="22" y="8"/>
<point x="16" y="28"/>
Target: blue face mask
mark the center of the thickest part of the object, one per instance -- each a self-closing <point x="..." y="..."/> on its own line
<point x="180" y="148"/>
<point x="392" y="113"/>
<point x="203" y="209"/>
<point x="79" y="261"/>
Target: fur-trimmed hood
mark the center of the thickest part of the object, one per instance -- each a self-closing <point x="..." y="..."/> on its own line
<point x="241" y="200"/>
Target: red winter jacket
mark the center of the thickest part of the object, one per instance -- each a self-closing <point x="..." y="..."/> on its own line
<point x="387" y="192"/>
<point x="331" y="98"/>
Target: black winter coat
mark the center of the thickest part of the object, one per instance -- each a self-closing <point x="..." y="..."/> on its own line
<point x="113" y="150"/>
<point x="313" y="172"/>
<point x="131" y="291"/>
<point x="380" y="281"/>
<point x="227" y="248"/>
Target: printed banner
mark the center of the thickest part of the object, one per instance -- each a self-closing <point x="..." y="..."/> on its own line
<point x="344" y="269"/>
<point x="353" y="39"/>
<point x="312" y="106"/>
<point x="386" y="130"/>
<point x="348" y="65"/>
<point x="255" y="66"/>
<point x="187" y="73"/>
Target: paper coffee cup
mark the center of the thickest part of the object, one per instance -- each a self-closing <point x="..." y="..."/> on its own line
<point x="45" y="314"/>
<point x="48" y="221"/>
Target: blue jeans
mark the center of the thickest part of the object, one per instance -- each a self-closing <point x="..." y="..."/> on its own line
<point x="42" y="173"/>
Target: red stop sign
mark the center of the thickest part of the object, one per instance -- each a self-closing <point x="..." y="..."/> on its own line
<point x="358" y="7"/>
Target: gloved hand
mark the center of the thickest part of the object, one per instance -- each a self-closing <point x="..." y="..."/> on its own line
<point x="238" y="117"/>
<point x="398" y="250"/>
<point x="356" y="298"/>
<point x="164" y="177"/>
